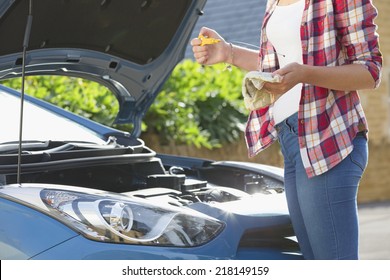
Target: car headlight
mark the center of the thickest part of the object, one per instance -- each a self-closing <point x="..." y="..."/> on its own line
<point x="115" y="218"/>
<point x="126" y="221"/>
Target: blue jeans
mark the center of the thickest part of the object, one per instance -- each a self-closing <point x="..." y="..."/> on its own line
<point x="323" y="209"/>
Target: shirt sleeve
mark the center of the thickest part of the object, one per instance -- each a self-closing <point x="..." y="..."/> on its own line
<point x="357" y="33"/>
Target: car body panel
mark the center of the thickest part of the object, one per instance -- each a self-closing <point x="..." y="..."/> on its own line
<point x="28" y="232"/>
<point x="81" y="249"/>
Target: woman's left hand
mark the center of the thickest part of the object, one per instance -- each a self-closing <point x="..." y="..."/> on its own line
<point x="292" y="75"/>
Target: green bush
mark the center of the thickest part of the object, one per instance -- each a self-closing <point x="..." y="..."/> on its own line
<point x="197" y="105"/>
<point x="85" y="98"/>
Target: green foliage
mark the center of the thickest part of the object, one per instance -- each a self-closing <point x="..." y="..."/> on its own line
<point x="85" y="98"/>
<point x="197" y="105"/>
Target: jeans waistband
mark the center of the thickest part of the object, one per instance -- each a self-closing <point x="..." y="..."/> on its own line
<point x="292" y="121"/>
<point x="287" y="123"/>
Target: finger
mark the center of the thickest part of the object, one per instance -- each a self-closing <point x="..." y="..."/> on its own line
<point x="200" y="54"/>
<point x="282" y="71"/>
<point x="270" y="87"/>
<point x="196" y="42"/>
<point x="202" y="60"/>
<point x="199" y="48"/>
<point x="205" y="31"/>
<point x="279" y="72"/>
<point x="266" y="86"/>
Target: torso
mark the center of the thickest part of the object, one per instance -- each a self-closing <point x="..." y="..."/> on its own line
<point x="283" y="31"/>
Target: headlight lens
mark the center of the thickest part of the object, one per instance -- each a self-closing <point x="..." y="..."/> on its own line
<point x="110" y="217"/>
<point x="118" y="216"/>
<point x="113" y="218"/>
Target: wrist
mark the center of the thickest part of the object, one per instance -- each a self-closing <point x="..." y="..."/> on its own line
<point x="304" y="73"/>
<point x="229" y="54"/>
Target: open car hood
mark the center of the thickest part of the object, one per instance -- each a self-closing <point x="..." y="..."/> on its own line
<point x="129" y="46"/>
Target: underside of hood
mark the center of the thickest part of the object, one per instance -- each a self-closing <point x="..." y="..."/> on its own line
<point x="129" y="46"/>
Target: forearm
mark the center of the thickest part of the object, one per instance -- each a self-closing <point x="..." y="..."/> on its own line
<point x="243" y="58"/>
<point x="345" y="78"/>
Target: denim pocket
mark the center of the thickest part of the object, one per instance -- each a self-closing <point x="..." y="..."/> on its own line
<point x="292" y="124"/>
<point x="359" y="155"/>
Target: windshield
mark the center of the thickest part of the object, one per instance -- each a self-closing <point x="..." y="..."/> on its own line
<point x="38" y="124"/>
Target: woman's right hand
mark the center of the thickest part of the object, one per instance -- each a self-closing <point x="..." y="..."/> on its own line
<point x="210" y="54"/>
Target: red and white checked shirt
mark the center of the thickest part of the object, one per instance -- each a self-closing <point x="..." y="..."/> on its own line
<point x="333" y="32"/>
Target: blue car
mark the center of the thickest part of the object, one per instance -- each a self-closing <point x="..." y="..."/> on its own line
<point x="71" y="188"/>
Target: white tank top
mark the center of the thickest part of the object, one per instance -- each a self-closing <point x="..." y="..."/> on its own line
<point x="283" y="31"/>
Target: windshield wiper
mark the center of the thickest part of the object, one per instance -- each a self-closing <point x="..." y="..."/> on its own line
<point x="13" y="147"/>
<point x="38" y="147"/>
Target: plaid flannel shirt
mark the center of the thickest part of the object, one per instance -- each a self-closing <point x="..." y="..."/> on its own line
<point x="333" y="32"/>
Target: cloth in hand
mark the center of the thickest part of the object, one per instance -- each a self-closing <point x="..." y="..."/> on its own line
<point x="255" y="96"/>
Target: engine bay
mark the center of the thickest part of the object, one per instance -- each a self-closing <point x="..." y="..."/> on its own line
<point x="120" y="169"/>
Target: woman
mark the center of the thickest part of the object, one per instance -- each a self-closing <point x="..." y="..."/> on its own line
<point x="325" y="51"/>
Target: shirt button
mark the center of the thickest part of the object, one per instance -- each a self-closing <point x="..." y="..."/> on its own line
<point x="302" y="121"/>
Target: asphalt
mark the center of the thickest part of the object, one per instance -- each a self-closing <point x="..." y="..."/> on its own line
<point x="374" y="221"/>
